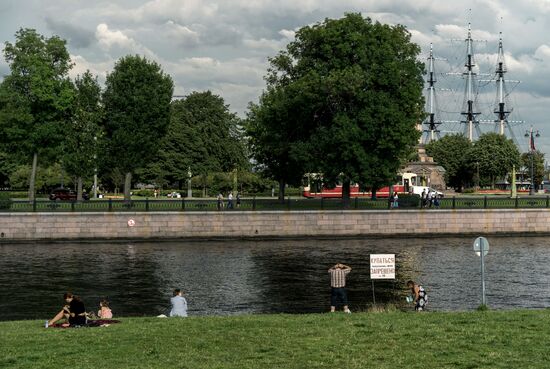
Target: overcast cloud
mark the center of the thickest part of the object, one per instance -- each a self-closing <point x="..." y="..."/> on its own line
<point x="223" y="46"/>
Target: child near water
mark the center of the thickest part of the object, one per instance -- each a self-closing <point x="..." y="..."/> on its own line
<point x="104" y="311"/>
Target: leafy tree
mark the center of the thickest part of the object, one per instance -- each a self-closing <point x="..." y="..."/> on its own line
<point x="352" y="89"/>
<point x="137" y="113"/>
<point x="84" y="131"/>
<point x="202" y="136"/>
<point x="272" y="133"/>
<point x="46" y="177"/>
<point x="451" y="153"/>
<point x="494" y="155"/>
<point x="36" y="97"/>
<point x="538" y="166"/>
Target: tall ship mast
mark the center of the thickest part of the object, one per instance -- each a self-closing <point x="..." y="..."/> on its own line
<point x="502" y="109"/>
<point x="468" y="110"/>
<point x="430" y="123"/>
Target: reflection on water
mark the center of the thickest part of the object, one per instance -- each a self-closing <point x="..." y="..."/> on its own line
<point x="235" y="277"/>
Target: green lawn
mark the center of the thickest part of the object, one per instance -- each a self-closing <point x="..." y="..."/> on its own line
<point x="511" y="339"/>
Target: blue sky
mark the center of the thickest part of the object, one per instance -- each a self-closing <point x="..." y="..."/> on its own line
<point x="224" y="45"/>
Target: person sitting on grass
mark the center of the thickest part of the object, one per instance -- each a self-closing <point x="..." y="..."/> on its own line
<point x="179" y="304"/>
<point x="73" y="311"/>
<point x="104" y="310"/>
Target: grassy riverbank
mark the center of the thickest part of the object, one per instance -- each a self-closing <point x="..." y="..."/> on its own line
<point x="512" y="339"/>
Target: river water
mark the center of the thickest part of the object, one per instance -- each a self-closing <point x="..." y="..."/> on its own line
<point x="247" y="277"/>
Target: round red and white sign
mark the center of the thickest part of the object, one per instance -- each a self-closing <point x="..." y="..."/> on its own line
<point x="131" y="223"/>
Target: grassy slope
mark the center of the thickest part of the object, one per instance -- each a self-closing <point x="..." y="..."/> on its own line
<point x="513" y="339"/>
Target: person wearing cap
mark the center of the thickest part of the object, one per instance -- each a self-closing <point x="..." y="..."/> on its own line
<point x="338" y="275"/>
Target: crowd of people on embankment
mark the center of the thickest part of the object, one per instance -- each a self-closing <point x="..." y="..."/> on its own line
<point x="74" y="314"/>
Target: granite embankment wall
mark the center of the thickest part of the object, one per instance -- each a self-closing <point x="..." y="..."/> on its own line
<point x="249" y="224"/>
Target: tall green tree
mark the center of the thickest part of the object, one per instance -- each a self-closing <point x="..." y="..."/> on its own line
<point x="353" y="91"/>
<point x="451" y="153"/>
<point x="36" y="97"/>
<point x="537" y="164"/>
<point x="137" y="113"/>
<point x="494" y="155"/>
<point x="84" y="133"/>
<point x="272" y="133"/>
<point x="219" y="129"/>
<point x="203" y="136"/>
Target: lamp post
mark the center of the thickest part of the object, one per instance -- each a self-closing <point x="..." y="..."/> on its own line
<point x="95" y="167"/>
<point x="532" y="136"/>
<point x="189" y="191"/>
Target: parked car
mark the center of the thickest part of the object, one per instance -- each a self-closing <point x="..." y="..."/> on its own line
<point x="417" y="190"/>
<point x="66" y="194"/>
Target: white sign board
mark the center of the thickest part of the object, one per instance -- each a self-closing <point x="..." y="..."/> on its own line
<point x="382" y="266"/>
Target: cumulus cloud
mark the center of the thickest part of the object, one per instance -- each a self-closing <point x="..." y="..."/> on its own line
<point x="224" y="45"/>
<point x="112" y="39"/>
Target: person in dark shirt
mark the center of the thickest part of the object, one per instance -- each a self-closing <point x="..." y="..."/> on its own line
<point x="74" y="311"/>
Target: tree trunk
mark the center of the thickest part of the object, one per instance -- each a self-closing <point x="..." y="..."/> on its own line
<point x="346" y="192"/>
<point x="127" y="186"/>
<point x="32" y="180"/>
<point x="282" y="190"/>
<point x="373" y="194"/>
<point x="79" y="189"/>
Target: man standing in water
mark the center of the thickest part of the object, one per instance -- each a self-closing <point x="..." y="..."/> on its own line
<point x="338" y="275"/>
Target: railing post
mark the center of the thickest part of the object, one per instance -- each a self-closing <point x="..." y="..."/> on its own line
<point x="72" y="205"/>
<point x="322" y="203"/>
<point x="454" y="202"/>
<point x="110" y="204"/>
<point x="146" y="204"/>
<point x="547" y="201"/>
<point x="389" y="201"/>
<point x="485" y="202"/>
<point x="182" y="204"/>
<point x="288" y="203"/>
<point x="34" y="205"/>
<point x="254" y="203"/>
<point x="517" y="202"/>
<point x="356" y="202"/>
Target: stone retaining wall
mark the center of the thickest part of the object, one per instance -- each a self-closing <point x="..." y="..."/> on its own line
<point x="173" y="225"/>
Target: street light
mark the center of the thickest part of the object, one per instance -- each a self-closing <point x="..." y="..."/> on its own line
<point x="95" y="167"/>
<point x="189" y="190"/>
<point x="532" y="153"/>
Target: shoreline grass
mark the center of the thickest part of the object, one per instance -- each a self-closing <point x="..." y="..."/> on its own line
<point x="489" y="339"/>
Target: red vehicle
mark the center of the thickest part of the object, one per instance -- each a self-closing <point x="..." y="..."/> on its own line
<point x="65" y="194"/>
<point x="314" y="188"/>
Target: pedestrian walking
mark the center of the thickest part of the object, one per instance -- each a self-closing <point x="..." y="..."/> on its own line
<point x="220" y="201"/>
<point x="338" y="293"/>
<point x="423" y="198"/>
<point x="395" y="202"/>
<point x="230" y="200"/>
<point x="238" y="200"/>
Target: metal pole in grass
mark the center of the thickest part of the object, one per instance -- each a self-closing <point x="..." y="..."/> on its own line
<point x="481" y="248"/>
<point x="532" y="153"/>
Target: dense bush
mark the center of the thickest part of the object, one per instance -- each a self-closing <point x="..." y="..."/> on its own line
<point x="5" y="200"/>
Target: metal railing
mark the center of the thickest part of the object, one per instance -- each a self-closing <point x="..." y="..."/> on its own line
<point x="289" y="204"/>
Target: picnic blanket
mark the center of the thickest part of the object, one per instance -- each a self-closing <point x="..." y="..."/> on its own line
<point x="90" y="323"/>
